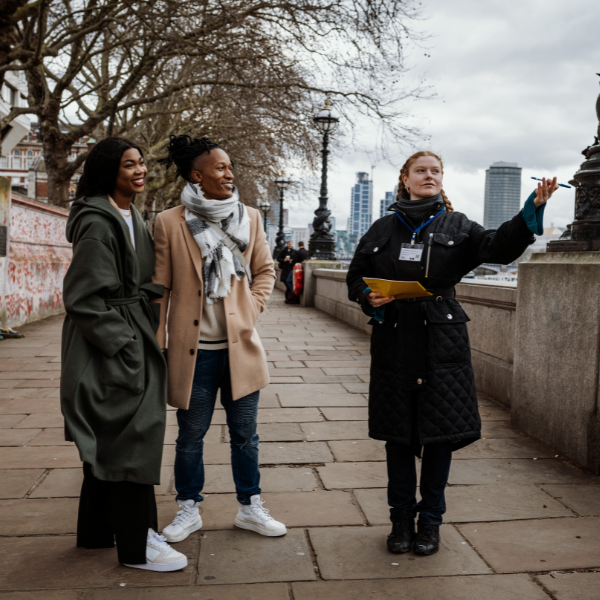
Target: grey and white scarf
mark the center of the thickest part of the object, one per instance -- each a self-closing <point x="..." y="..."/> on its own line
<point x="232" y="217"/>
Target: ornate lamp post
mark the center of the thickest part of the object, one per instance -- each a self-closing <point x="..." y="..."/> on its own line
<point x="282" y="183"/>
<point x="322" y="244"/>
<point x="584" y="233"/>
<point x="265" y="206"/>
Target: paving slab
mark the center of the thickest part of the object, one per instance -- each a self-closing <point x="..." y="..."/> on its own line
<point x="361" y="553"/>
<point x="42" y="420"/>
<point x="38" y="517"/>
<point x="285" y="379"/>
<point x="213" y="435"/>
<point x="571" y="586"/>
<point x="38" y="404"/>
<point x="291" y="399"/>
<point x="53" y="436"/>
<point x="297" y="371"/>
<point x="473" y="471"/>
<point x="43" y="595"/>
<point x="17" y="437"/>
<point x="219" y="479"/>
<point x="346" y="414"/>
<point x="281" y="389"/>
<point x="256" y="591"/>
<point x="238" y="556"/>
<point x="59" y="564"/>
<point x="544" y="545"/>
<point x="280" y="432"/>
<point x="493" y="413"/>
<point x="16" y="483"/>
<point x="499" y="429"/>
<point x="268" y="400"/>
<point x="60" y="483"/>
<point x="353" y="475"/>
<point x="335" y="430"/>
<point x="343" y="379"/>
<point x="583" y="499"/>
<point x="353" y="370"/>
<point x="294" y="453"/>
<point x="503" y="448"/>
<point x="8" y="421"/>
<point x="358" y="450"/>
<point x="289" y="415"/>
<point x="343" y="362"/>
<point x="49" y="457"/>
<point x="474" y="503"/>
<point x="357" y="388"/>
<point x="475" y="587"/>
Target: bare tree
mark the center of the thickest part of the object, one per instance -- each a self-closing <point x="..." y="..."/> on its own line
<point x="116" y="66"/>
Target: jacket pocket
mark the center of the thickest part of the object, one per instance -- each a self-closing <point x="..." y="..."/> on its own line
<point x="124" y="370"/>
<point x="448" y="334"/>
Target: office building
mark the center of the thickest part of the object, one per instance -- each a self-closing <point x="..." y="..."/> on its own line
<point x="390" y="198"/>
<point x="502" y="194"/>
<point x="361" y="202"/>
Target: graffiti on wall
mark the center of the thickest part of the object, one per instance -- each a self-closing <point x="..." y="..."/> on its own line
<point x="39" y="256"/>
<point x="4" y="219"/>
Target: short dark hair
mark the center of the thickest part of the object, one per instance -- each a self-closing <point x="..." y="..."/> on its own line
<point x="101" y="167"/>
<point x="300" y="244"/>
<point x="183" y="151"/>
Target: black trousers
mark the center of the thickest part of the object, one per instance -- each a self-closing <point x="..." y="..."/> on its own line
<point x="116" y="508"/>
<point x="402" y="481"/>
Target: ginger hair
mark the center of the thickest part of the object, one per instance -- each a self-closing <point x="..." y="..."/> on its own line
<point x="406" y="168"/>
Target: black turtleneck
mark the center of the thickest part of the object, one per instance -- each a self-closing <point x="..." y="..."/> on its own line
<point x="418" y="211"/>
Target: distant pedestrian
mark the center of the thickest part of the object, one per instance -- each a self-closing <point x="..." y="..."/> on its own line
<point x="285" y="261"/>
<point x="213" y="258"/>
<point x="298" y="257"/>
<point x="113" y="380"/>
<point x="422" y="397"/>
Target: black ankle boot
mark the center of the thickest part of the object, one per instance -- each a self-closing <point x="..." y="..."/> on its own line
<point x="403" y="534"/>
<point x="428" y="539"/>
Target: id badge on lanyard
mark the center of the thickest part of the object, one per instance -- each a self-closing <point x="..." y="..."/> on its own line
<point x="412" y="252"/>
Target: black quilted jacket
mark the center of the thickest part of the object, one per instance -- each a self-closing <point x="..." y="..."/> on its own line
<point x="422" y="388"/>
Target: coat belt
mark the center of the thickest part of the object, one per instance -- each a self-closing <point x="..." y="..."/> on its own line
<point x="148" y="291"/>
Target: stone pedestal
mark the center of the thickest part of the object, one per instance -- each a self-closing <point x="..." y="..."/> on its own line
<point x="557" y="354"/>
<point x="310" y="284"/>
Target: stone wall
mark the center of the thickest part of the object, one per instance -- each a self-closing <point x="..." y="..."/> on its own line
<point x="39" y="255"/>
<point x="491" y="307"/>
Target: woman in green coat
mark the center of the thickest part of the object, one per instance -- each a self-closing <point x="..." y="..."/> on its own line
<point x="113" y="381"/>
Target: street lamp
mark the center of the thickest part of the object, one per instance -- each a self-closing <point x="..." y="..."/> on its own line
<point x="265" y="206"/>
<point x="322" y="244"/>
<point x="282" y="183"/>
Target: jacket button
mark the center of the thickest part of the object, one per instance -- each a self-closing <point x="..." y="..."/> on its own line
<point x="375" y="249"/>
<point x="419" y="381"/>
<point x="450" y="316"/>
<point x="196" y="322"/>
<point x="199" y="292"/>
<point x="192" y="352"/>
<point x="450" y="243"/>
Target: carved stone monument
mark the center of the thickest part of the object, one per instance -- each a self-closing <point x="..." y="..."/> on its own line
<point x="584" y="233"/>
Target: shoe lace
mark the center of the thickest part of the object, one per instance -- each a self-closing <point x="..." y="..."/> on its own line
<point x="183" y="514"/>
<point x="261" y="511"/>
<point x="159" y="542"/>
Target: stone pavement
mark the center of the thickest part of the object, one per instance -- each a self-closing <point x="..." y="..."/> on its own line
<point x="521" y="524"/>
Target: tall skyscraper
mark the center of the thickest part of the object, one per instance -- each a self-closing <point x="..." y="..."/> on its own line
<point x="361" y="202"/>
<point x="390" y="198"/>
<point x="502" y="194"/>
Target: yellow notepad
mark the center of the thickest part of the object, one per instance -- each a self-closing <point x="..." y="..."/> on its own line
<point x="398" y="289"/>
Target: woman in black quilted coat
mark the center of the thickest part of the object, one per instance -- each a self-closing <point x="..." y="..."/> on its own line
<point x="422" y="395"/>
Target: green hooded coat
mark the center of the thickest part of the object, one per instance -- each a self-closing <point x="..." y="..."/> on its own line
<point x="113" y="388"/>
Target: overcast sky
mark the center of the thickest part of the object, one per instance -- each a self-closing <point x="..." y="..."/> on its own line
<point x="515" y="81"/>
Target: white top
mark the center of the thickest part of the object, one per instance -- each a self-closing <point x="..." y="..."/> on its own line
<point x="129" y="220"/>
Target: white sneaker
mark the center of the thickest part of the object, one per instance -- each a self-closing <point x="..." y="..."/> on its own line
<point x="187" y="521"/>
<point x="160" y="556"/>
<point x="256" y="518"/>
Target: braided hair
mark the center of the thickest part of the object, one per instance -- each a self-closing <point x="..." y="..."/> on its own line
<point x="406" y="168"/>
<point x="183" y="151"/>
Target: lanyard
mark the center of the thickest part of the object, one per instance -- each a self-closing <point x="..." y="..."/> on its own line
<point x="415" y="231"/>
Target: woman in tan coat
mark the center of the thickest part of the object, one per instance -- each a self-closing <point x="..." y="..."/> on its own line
<point x="213" y="259"/>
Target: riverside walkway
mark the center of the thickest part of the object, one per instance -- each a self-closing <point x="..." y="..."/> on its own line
<point x="522" y="523"/>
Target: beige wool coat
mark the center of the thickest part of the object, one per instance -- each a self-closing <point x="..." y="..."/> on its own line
<point x="179" y="269"/>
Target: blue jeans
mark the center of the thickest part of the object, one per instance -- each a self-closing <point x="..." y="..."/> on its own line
<point x="402" y="480"/>
<point x="212" y="373"/>
<point x="289" y="282"/>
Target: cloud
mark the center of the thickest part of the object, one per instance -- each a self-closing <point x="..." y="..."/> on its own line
<point x="515" y="81"/>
